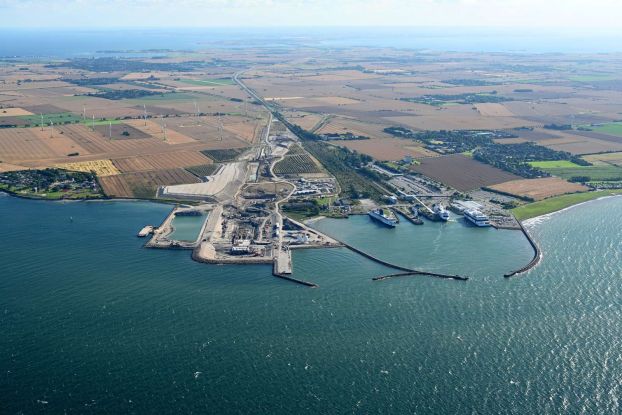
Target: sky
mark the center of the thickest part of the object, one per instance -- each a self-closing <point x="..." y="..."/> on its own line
<point x="601" y="15"/>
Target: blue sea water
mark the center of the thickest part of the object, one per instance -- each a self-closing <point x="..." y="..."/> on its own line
<point x="86" y="42"/>
<point x="93" y="323"/>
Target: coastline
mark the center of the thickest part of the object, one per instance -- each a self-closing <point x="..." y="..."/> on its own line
<point x="529" y="222"/>
<point x="558" y="203"/>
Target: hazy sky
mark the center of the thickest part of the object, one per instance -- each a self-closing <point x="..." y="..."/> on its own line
<point x="604" y="14"/>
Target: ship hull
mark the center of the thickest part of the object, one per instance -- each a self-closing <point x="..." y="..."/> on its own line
<point x="387" y="222"/>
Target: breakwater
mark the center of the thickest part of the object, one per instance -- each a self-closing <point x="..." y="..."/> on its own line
<point x="407" y="271"/>
<point x="297" y="281"/>
<point x="411" y="273"/>
<point x="536" y="257"/>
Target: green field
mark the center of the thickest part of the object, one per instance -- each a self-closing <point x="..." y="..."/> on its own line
<point x="553" y="164"/>
<point x="593" y="77"/>
<point x="208" y="82"/>
<point x="595" y="173"/>
<point x="558" y="203"/>
<point x="614" y="128"/>
<point x="57" y="118"/>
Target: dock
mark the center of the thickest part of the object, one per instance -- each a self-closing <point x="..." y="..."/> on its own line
<point x="537" y="256"/>
<point x="283" y="263"/>
<point x="416" y="220"/>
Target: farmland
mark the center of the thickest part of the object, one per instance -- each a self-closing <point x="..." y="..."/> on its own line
<point x="99" y="167"/>
<point x="224" y="154"/>
<point x="161" y="161"/>
<point x="386" y="149"/>
<point x="296" y="164"/>
<point x="208" y="82"/>
<point x="592" y="173"/>
<point x="538" y="189"/>
<point x="203" y="169"/>
<point x="461" y="173"/>
<point x="614" y="128"/>
<point x="144" y="185"/>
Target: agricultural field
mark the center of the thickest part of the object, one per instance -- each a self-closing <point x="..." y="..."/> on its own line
<point x="591" y="173"/>
<point x="160" y="161"/>
<point x="119" y="131"/>
<point x="208" y="82"/>
<point x="297" y="164"/>
<point x="605" y="159"/>
<point x="461" y="172"/>
<point x="34" y="120"/>
<point x="204" y="169"/>
<point x="144" y="185"/>
<point x="100" y="167"/>
<point x="13" y="112"/>
<point x="614" y="128"/>
<point x="538" y="189"/>
<point x="221" y="155"/>
<point x="554" y="164"/>
<point x="386" y="149"/>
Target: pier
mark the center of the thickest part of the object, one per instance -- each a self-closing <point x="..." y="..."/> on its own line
<point x="536" y="257"/>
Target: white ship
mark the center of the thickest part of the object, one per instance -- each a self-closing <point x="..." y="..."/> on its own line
<point x="476" y="217"/>
<point x="441" y="212"/>
<point x="383" y="216"/>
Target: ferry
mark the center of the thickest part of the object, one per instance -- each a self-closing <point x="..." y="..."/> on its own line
<point x="383" y="216"/>
<point x="476" y="217"/>
<point x="441" y="212"/>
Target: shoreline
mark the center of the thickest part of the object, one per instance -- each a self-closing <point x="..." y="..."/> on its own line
<point x="538" y="219"/>
<point x="95" y="199"/>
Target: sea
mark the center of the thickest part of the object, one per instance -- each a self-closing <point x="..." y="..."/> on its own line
<point x="94" y="323"/>
<point x="46" y="43"/>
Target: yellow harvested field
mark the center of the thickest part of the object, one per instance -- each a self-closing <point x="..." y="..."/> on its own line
<point x="538" y="189"/>
<point x="5" y="167"/>
<point x="161" y="161"/>
<point x="335" y="100"/>
<point x="604" y="159"/>
<point x="386" y="149"/>
<point x="155" y="130"/>
<point x="13" y="112"/>
<point x="22" y="144"/>
<point x="493" y="110"/>
<point x="101" y="167"/>
<point x="346" y="125"/>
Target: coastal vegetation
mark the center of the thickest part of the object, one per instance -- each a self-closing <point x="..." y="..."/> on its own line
<point x="554" y="204"/>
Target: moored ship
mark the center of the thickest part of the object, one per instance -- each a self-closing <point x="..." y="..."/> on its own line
<point x="440" y="212"/>
<point x="476" y="217"/>
<point x="383" y="216"/>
